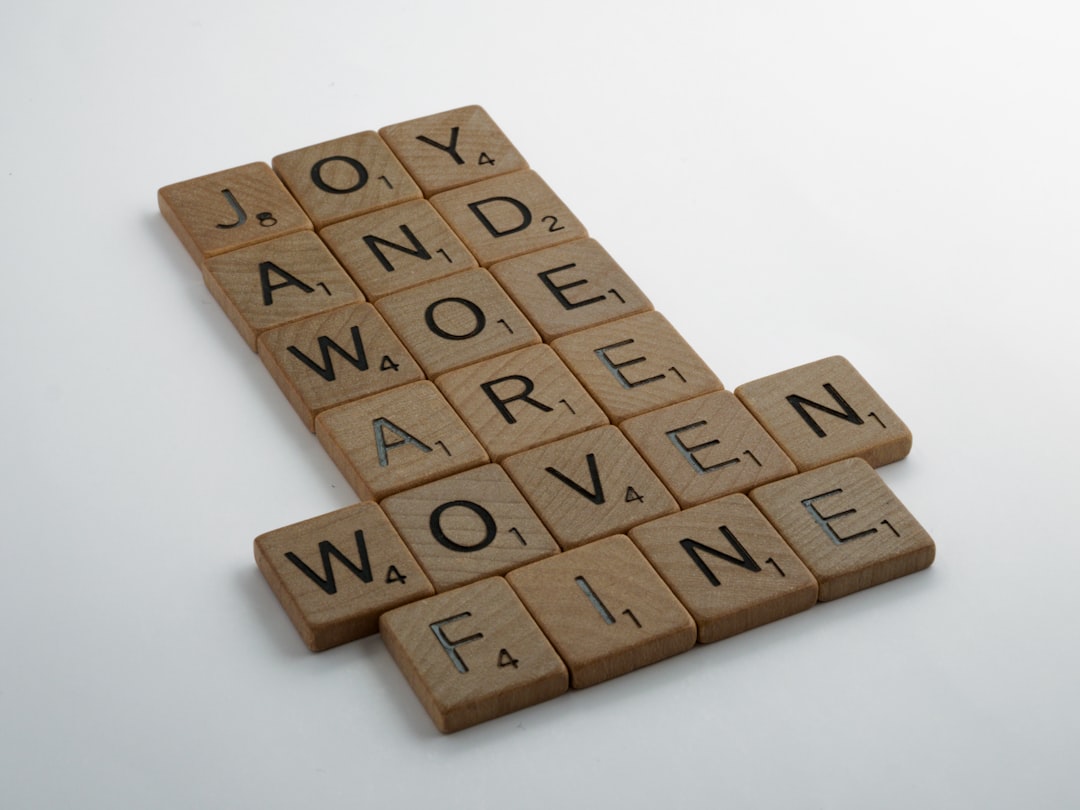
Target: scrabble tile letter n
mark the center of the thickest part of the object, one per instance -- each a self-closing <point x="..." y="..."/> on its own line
<point x="824" y="412"/>
<point x="728" y="565"/>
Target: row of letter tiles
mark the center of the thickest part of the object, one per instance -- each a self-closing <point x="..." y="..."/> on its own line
<point x="348" y="177"/>
<point x="528" y="410"/>
<point x="516" y="621"/>
<point x="555" y="484"/>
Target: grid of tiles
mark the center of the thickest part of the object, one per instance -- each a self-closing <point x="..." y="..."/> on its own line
<point x="554" y="488"/>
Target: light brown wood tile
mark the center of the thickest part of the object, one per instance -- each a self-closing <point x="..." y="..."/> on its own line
<point x="452" y="148"/>
<point x="847" y="526"/>
<point x="825" y="411"/>
<point x="398" y="439"/>
<point x="396" y="248"/>
<point x="457" y="320"/>
<point x="274" y="283"/>
<point x="707" y="447"/>
<point x="335" y="357"/>
<point x="636" y="364"/>
<point x="520" y="400"/>
<point x="469" y="526"/>
<point x="337" y="573"/>
<point x="570" y="287"/>
<point x="589" y="485"/>
<point x="345" y="177"/>
<point x="605" y="609"/>
<point x="473" y="654"/>
<point x="231" y="209"/>
<point x="728" y="566"/>
<point x="507" y="216"/>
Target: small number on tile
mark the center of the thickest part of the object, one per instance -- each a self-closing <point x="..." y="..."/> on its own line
<point x="393" y="575"/>
<point x="506" y="659"/>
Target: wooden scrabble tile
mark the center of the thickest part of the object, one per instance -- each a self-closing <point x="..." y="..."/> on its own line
<point x="397" y="247"/>
<point x="589" y="485"/>
<point x="847" y="526"/>
<point x="605" y="610"/>
<point x="452" y="148"/>
<point x="520" y="400"/>
<point x="232" y="209"/>
<point x="337" y="573"/>
<point x="335" y="357"/>
<point x="274" y="283"/>
<point x="728" y="566"/>
<point x="570" y="287"/>
<point x="507" y="216"/>
<point x="469" y="526"/>
<point x="473" y="654"/>
<point x="636" y="364"/>
<point x="825" y="411"/>
<point x="458" y="320"/>
<point x="398" y="439"/>
<point x="707" y="447"/>
<point x="345" y="177"/>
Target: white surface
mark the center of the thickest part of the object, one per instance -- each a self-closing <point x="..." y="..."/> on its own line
<point x="893" y="182"/>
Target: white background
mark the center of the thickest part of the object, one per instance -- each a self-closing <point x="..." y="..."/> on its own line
<point x="898" y="183"/>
